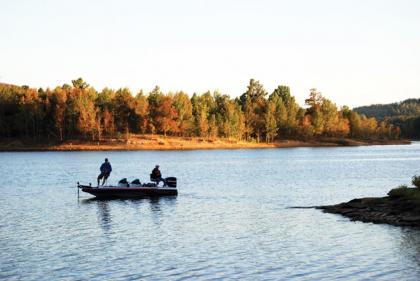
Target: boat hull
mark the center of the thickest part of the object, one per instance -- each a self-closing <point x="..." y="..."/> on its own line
<point x="130" y="192"/>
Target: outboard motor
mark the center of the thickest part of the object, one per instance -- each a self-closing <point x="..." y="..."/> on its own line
<point x="135" y="183"/>
<point x="123" y="183"/>
<point x="171" y="181"/>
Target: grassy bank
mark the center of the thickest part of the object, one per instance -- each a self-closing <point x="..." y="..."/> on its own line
<point x="157" y="142"/>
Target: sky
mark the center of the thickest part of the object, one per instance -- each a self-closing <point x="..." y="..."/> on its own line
<point x="355" y="52"/>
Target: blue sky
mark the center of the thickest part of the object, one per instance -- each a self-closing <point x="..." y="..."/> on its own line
<point x="355" y="52"/>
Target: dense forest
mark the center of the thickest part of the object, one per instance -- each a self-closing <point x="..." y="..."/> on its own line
<point x="405" y="114"/>
<point x="78" y="111"/>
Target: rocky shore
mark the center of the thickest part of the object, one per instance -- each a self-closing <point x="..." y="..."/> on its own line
<point x="400" y="208"/>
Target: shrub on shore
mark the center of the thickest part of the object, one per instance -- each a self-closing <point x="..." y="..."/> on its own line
<point x="398" y="192"/>
<point x="405" y="192"/>
<point x="416" y="181"/>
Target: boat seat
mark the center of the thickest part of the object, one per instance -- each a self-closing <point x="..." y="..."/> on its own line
<point x="157" y="180"/>
<point x="153" y="179"/>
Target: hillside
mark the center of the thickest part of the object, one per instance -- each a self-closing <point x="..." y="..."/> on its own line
<point x="406" y="108"/>
<point x="405" y="114"/>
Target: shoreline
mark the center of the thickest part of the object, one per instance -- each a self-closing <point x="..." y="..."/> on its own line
<point x="400" y="208"/>
<point x="154" y="142"/>
<point x="397" y="210"/>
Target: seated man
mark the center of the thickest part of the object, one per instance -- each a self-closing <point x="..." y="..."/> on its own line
<point x="106" y="170"/>
<point x="157" y="176"/>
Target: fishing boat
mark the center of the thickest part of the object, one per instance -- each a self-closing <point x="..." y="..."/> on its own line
<point x="132" y="190"/>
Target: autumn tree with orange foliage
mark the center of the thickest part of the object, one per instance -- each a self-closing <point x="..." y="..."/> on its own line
<point x="78" y="111"/>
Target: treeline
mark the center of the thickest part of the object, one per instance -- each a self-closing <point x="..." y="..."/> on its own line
<point x="410" y="126"/>
<point x="79" y="111"/>
<point x="405" y="114"/>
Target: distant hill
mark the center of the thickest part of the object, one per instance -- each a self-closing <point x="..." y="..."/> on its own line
<point x="405" y="114"/>
<point x="407" y="108"/>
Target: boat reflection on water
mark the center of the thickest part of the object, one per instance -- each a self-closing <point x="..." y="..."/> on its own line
<point x="136" y="207"/>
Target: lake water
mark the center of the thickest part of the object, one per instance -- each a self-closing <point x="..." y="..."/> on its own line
<point x="230" y="220"/>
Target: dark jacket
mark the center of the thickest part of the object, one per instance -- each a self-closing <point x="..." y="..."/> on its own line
<point x="106" y="167"/>
<point x="156" y="173"/>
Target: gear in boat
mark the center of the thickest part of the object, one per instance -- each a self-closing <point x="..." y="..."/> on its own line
<point x="168" y="182"/>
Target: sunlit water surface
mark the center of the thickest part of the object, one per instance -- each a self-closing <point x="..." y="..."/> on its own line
<point x="230" y="220"/>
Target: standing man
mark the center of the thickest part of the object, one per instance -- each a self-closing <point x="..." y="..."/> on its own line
<point x="106" y="170"/>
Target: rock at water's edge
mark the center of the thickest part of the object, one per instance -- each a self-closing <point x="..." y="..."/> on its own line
<point x="394" y="211"/>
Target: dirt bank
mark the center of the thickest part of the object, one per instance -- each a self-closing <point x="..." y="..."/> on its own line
<point x="154" y="142"/>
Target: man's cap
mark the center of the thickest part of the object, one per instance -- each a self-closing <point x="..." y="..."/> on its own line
<point x="106" y="159"/>
<point x="157" y="166"/>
